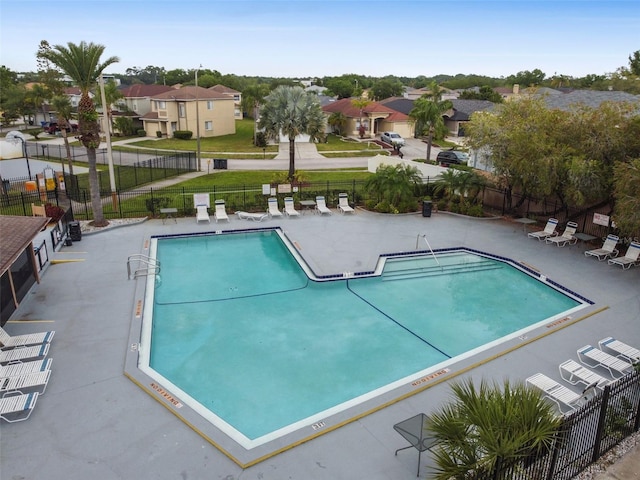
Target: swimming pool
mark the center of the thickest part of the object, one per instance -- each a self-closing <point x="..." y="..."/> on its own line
<point x="260" y="347"/>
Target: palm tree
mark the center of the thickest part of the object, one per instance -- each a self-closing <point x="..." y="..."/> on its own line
<point x="253" y="97"/>
<point x="112" y="95"/>
<point x="292" y="112"/>
<point x="427" y="113"/>
<point x="488" y="427"/>
<point x="337" y="121"/>
<point x="361" y="103"/>
<point x="82" y="63"/>
<point x="395" y="184"/>
<point x="37" y="95"/>
<point x="62" y="106"/>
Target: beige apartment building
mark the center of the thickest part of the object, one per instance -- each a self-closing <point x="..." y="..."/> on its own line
<point x="176" y="110"/>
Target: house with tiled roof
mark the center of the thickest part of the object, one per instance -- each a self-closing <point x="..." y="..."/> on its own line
<point x="182" y="108"/>
<point x="137" y="98"/>
<point x="375" y="118"/>
<point x="236" y="95"/>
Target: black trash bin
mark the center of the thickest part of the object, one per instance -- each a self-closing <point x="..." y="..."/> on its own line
<point x="75" y="233"/>
<point x="427" y="205"/>
<point x="219" y="163"/>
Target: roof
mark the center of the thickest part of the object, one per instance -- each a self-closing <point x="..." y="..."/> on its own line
<point x="346" y="107"/>
<point x="72" y="91"/>
<point x="469" y="106"/>
<point x="590" y="98"/>
<point x="399" y="104"/>
<point x="191" y="93"/>
<point x="222" y="89"/>
<point x="16" y="233"/>
<point x="142" y="91"/>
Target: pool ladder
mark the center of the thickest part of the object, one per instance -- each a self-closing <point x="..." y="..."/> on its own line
<point x="145" y="266"/>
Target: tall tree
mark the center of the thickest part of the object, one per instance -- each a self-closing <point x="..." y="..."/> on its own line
<point x="112" y="94"/>
<point x="427" y="114"/>
<point x="386" y="88"/>
<point x="292" y="112"/>
<point x="634" y="63"/>
<point x="252" y="97"/>
<point x="361" y="103"/>
<point x="81" y="62"/>
<point x="37" y="95"/>
<point x="627" y="194"/>
<point x="62" y="106"/>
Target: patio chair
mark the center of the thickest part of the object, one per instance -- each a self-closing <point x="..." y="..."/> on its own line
<point x="630" y="258"/>
<point x="22" y="368"/>
<point x="608" y="249"/>
<point x="256" y="217"/>
<point x="574" y="373"/>
<point x="7" y="341"/>
<point x="343" y="204"/>
<point x="272" y="207"/>
<point x="202" y="214"/>
<point x="29" y="382"/>
<point x="220" y="211"/>
<point x="18" y="407"/>
<point x="619" y="349"/>
<point x="567" y="237"/>
<point x="289" y="208"/>
<point x="564" y="398"/>
<point x="321" y="205"/>
<point x="549" y="230"/>
<point x="592" y="357"/>
<point x="24" y="354"/>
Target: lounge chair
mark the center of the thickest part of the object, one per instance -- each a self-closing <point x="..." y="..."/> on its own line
<point x="220" y="212"/>
<point x="619" y="349"/>
<point x="321" y="205"/>
<point x="608" y="249"/>
<point x="256" y="217"/>
<point x="574" y="373"/>
<point x="630" y="258"/>
<point x="24" y="354"/>
<point x="7" y="341"/>
<point x="343" y="204"/>
<point x="272" y="208"/>
<point x="567" y="237"/>
<point x="592" y="357"/>
<point x="202" y="215"/>
<point x="18" y="407"/>
<point x="29" y="382"/>
<point x="22" y="368"/>
<point x="549" y="230"/>
<point x="289" y="208"/>
<point x="559" y="394"/>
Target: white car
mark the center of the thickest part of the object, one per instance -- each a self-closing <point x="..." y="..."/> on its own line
<point x="392" y="138"/>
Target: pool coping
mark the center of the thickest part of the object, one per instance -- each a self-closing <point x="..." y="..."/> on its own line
<point x="248" y="457"/>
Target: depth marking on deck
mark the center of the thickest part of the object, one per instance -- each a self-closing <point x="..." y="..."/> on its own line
<point x="558" y="322"/>
<point x="297" y="245"/>
<point x="429" y="377"/>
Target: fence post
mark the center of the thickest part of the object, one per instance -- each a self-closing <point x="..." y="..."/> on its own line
<point x="602" y="419"/>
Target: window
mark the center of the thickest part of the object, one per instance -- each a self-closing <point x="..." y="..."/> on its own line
<point x="161" y="104"/>
<point x="208" y="125"/>
<point x="181" y="112"/>
<point x="209" y="104"/>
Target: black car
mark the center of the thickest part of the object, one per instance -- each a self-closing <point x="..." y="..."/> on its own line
<point x="452" y="157"/>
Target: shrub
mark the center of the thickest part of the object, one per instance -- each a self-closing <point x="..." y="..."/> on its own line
<point x="156" y="203"/>
<point x="261" y="140"/>
<point x="183" y="134"/>
<point x="158" y="134"/>
<point x="54" y="212"/>
<point x="142" y="133"/>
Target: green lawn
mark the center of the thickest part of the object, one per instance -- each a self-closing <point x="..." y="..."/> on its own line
<point x="236" y="177"/>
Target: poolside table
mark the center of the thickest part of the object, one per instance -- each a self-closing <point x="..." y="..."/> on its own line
<point x="525" y="221"/>
<point x="307" y="204"/>
<point x="169" y="213"/>
<point x="414" y="430"/>
<point x="584" y="237"/>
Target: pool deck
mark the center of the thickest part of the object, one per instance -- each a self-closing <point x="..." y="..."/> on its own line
<point x="94" y="422"/>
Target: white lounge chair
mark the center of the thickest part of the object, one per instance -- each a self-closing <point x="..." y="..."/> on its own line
<point x="256" y="217"/>
<point x="220" y="211"/>
<point x="24" y="354"/>
<point x="18" y="407"/>
<point x="272" y="207"/>
<point x="574" y="373"/>
<point x="549" y="230"/>
<point x="567" y="237"/>
<point x="592" y="357"/>
<point x="630" y="258"/>
<point x="321" y="205"/>
<point x="202" y="214"/>
<point x="21" y="368"/>
<point x="343" y="204"/>
<point x="608" y="249"/>
<point x="29" y="382"/>
<point x="559" y="394"/>
<point x="7" y="341"/>
<point x="289" y="208"/>
<point x="619" y="349"/>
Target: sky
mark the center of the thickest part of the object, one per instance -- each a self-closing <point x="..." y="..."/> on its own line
<point x="302" y="39"/>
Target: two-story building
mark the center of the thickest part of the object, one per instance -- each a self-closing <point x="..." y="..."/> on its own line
<point x="236" y="95"/>
<point x="176" y="110"/>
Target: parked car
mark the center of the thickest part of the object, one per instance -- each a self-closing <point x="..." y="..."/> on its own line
<point x="392" y="138"/>
<point x="52" y="127"/>
<point x="452" y="157"/>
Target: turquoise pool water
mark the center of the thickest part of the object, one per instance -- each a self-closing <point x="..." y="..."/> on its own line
<point x="240" y="328"/>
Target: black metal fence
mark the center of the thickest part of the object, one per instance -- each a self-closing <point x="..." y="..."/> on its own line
<point x="584" y="436"/>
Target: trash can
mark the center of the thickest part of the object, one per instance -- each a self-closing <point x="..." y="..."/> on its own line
<point x="75" y="233"/>
<point x="219" y="163"/>
<point x="427" y="205"/>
